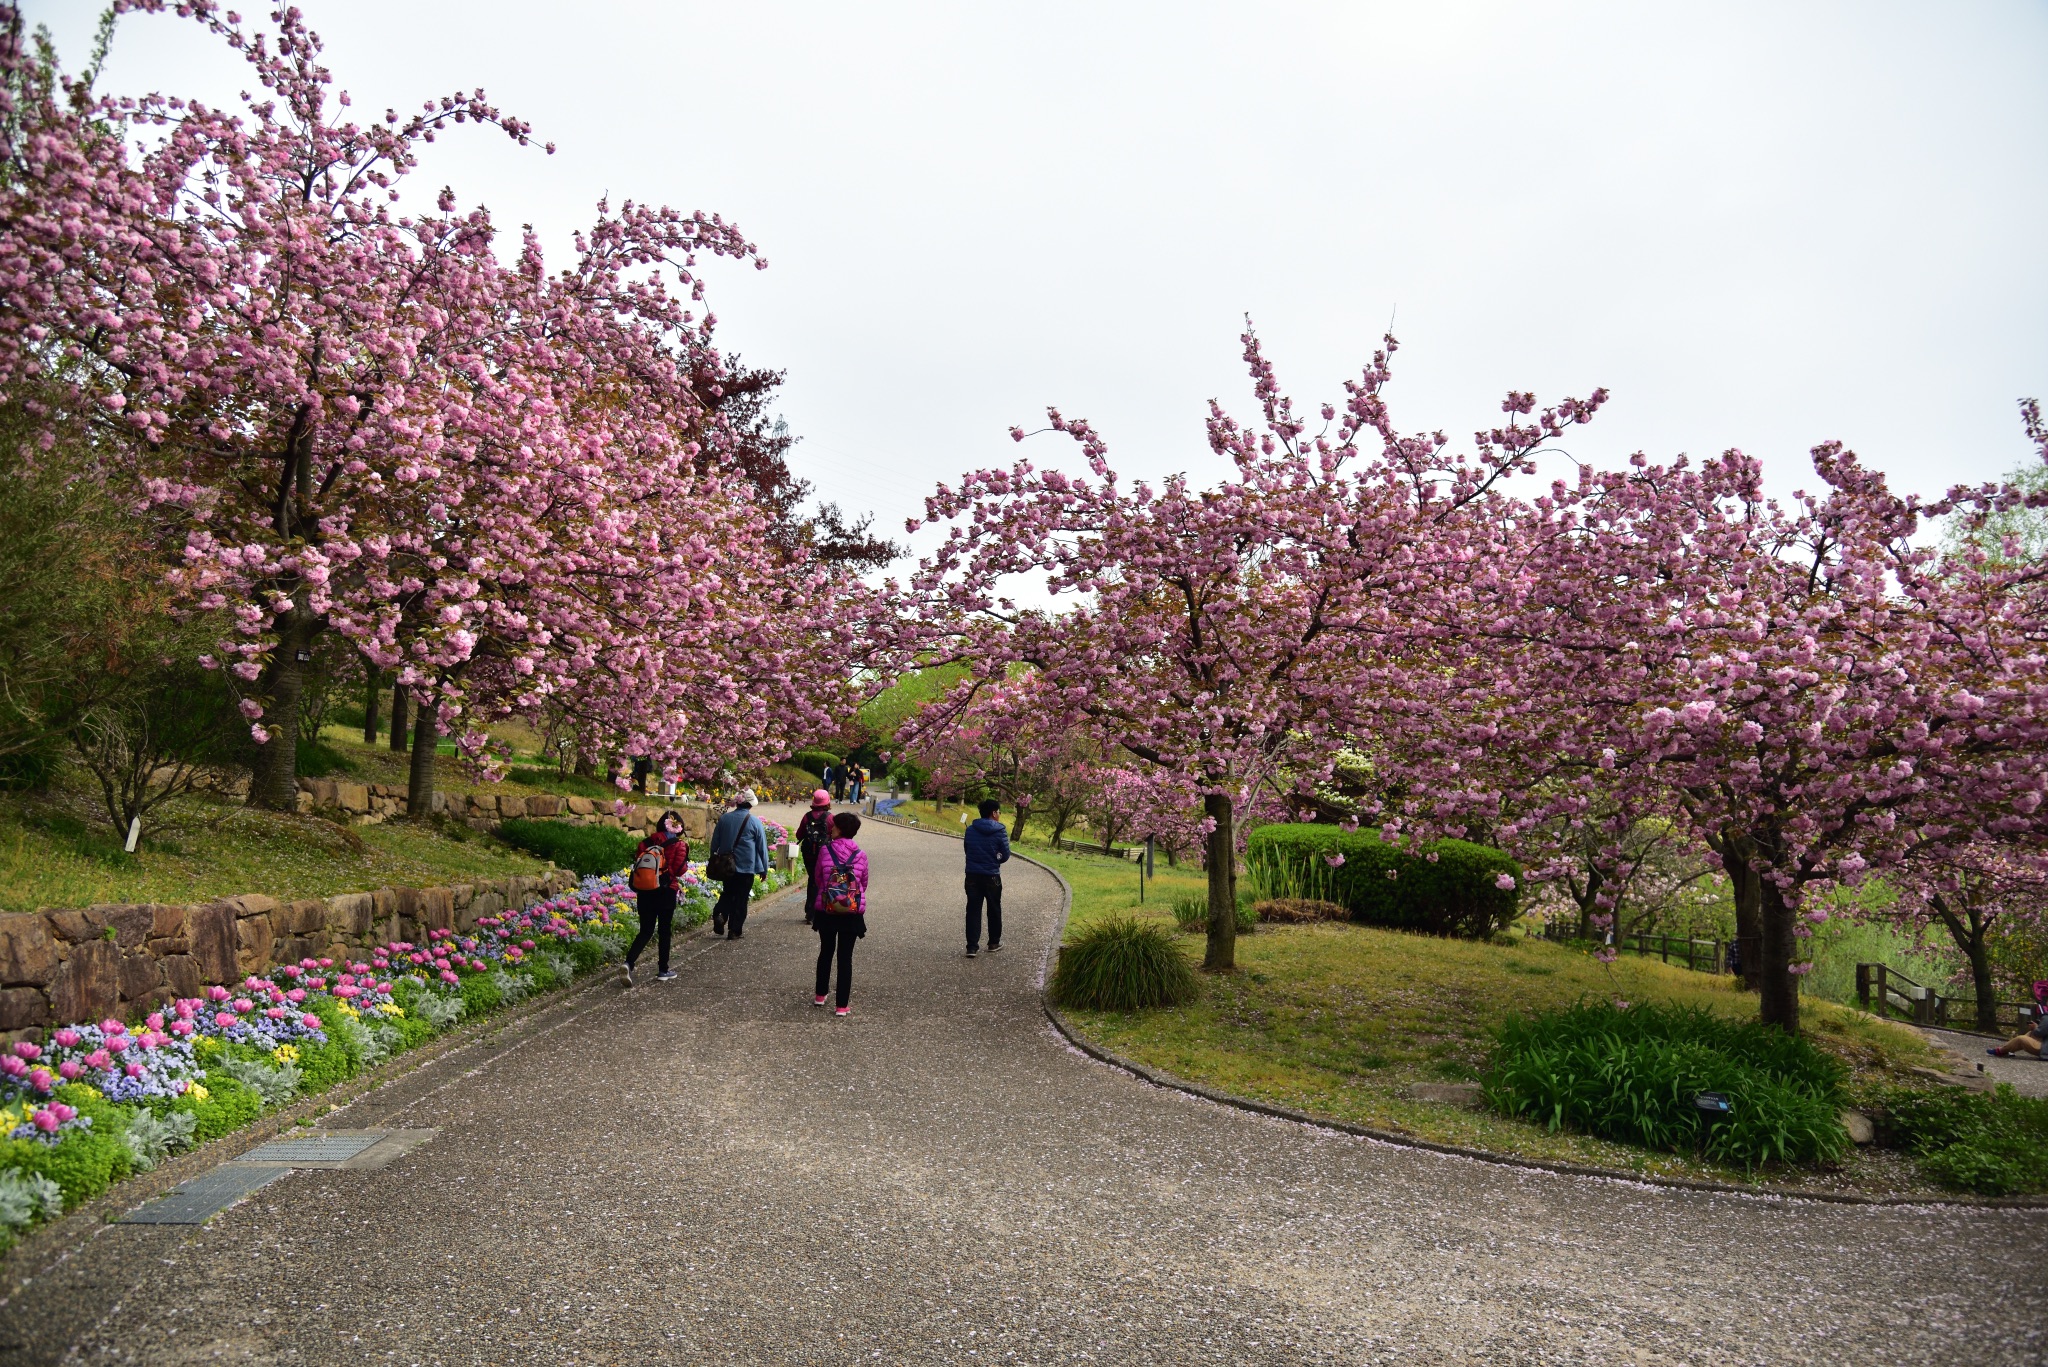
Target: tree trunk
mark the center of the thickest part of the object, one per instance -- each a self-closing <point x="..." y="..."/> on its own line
<point x="1777" y="987"/>
<point x="1017" y="826"/>
<point x="1746" y="886"/>
<point x="1221" y="953"/>
<point x="419" y="787"/>
<point x="398" y="722"/>
<point x="1980" y="976"/>
<point x="371" y="695"/>
<point x="274" y="775"/>
<point x="586" y="767"/>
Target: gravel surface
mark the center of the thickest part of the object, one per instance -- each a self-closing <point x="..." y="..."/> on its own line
<point x="711" y="1170"/>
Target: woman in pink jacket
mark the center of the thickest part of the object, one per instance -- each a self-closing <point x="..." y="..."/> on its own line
<point x="839" y="905"/>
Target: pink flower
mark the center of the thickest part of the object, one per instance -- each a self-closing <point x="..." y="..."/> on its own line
<point x="12" y="1066"/>
<point x="155" y="1020"/>
<point x="296" y="995"/>
<point x="28" y="1051"/>
<point x="111" y="1026"/>
<point x="276" y="1013"/>
<point x="448" y="977"/>
<point x="67" y="1038"/>
<point x="133" y="1070"/>
<point x="217" y="994"/>
<point x="98" y="1058"/>
<point x="42" y="1079"/>
<point x="346" y="979"/>
<point x="1505" y="882"/>
<point x="69" y="1070"/>
<point x="244" y="1005"/>
<point x="119" y="1044"/>
<point x="46" y="1120"/>
<point x="1335" y="859"/>
<point x="310" y="1021"/>
<point x="181" y="1027"/>
<point x="224" y="1019"/>
<point x="327" y="963"/>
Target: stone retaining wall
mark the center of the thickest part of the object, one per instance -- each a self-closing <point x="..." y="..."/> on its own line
<point x="369" y="803"/>
<point x="65" y="965"/>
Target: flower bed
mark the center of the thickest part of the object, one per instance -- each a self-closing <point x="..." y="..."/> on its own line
<point x="95" y="1102"/>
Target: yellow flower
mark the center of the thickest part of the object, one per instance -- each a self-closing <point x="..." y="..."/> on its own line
<point x="286" y="1053"/>
<point x="392" y="1009"/>
<point x="9" y="1118"/>
<point x="197" y="1092"/>
<point x="348" y="1010"/>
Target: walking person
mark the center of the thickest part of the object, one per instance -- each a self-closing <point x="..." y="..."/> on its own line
<point x="839" y="905"/>
<point x="811" y="834"/>
<point x="739" y="855"/>
<point x="660" y="860"/>
<point x="988" y="849"/>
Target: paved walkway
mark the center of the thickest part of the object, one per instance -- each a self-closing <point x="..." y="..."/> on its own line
<point x="2028" y="1075"/>
<point x="713" y="1171"/>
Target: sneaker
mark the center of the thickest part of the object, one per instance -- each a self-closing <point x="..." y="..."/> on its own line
<point x="627" y="981"/>
<point x="842" y="1010"/>
<point x="717" y="927"/>
<point x="971" y="951"/>
<point x="665" y="977"/>
<point x="736" y="935"/>
<point x="993" y="946"/>
<point x="818" y="1000"/>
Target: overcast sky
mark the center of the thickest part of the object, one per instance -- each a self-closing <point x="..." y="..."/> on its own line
<point x="1760" y="226"/>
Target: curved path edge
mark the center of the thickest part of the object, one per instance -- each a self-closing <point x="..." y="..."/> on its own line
<point x="1074" y="1036"/>
<point x="46" y="1246"/>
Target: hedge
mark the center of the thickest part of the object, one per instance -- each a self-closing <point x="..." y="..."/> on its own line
<point x="1457" y="892"/>
<point x="815" y="762"/>
<point x="592" y="851"/>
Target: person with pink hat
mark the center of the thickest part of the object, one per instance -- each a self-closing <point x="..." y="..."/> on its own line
<point x="811" y="835"/>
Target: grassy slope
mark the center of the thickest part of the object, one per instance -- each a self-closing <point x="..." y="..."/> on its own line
<point x="1336" y="1019"/>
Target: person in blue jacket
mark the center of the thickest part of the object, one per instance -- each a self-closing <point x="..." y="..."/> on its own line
<point x="988" y="849"/>
<point x="744" y="841"/>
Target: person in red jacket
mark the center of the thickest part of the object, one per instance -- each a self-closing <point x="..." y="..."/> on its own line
<point x="661" y="859"/>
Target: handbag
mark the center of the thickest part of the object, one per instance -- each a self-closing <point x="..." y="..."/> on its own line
<point x="719" y="867"/>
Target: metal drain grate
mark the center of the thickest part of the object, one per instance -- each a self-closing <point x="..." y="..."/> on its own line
<point x="315" y="1148"/>
<point x="205" y="1196"/>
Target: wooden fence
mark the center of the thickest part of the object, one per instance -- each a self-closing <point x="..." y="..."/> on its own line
<point x="1700" y="955"/>
<point x="1892" y="994"/>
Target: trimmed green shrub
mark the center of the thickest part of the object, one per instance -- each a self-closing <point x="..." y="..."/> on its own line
<point x="1631" y="1076"/>
<point x="588" y="850"/>
<point x="479" y="995"/>
<point x="1994" y="1144"/>
<point x="228" y="1106"/>
<point x="1451" y="887"/>
<point x="1122" y="964"/>
<point x="815" y="762"/>
<point x="85" y="1162"/>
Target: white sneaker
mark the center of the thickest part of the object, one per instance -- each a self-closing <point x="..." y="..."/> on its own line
<point x="667" y="977"/>
<point x="627" y="981"/>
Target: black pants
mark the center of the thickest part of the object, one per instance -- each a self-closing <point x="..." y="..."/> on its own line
<point x="836" y="933"/>
<point x="731" y="911"/>
<point x="657" y="912"/>
<point x="984" y="887"/>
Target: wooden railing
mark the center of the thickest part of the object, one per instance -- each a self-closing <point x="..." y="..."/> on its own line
<point x="1890" y="993"/>
<point x="1700" y="955"/>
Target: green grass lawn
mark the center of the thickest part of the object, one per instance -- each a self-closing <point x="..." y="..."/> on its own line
<point x="57" y="851"/>
<point x="1337" y="1019"/>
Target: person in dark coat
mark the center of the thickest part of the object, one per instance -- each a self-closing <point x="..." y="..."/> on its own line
<point x="988" y="849"/>
<point x="811" y="834"/>
<point x="657" y="905"/>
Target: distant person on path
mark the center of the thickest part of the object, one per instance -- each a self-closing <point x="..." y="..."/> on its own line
<point x="739" y="855"/>
<point x="856" y="778"/>
<point x="2035" y="1040"/>
<point x="988" y="849"/>
<point x="811" y="834"/>
<point x="661" y="859"/>
<point x="839" y="905"/>
<point x="838" y="783"/>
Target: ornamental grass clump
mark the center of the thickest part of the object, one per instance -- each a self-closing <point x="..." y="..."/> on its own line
<point x="1631" y="1075"/>
<point x="1121" y="964"/>
<point x="588" y="850"/>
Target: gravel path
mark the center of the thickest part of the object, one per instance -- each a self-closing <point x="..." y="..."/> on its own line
<point x="2028" y="1075"/>
<point x="711" y="1170"/>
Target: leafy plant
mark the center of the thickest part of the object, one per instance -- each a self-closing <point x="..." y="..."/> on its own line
<point x="152" y="1137"/>
<point x="1122" y="964"/>
<point x="274" y="1084"/>
<point x="1994" y="1144"/>
<point x="589" y="850"/>
<point x="1191" y="913"/>
<point x="26" y="1197"/>
<point x="553" y="781"/>
<point x="1298" y="910"/>
<point x="1451" y="887"/>
<point x="437" y="1010"/>
<point x="1632" y="1076"/>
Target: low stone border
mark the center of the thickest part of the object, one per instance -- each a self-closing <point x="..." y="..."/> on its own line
<point x="1073" y="1036"/>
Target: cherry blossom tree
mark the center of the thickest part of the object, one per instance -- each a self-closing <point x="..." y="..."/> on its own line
<point x="1226" y="636"/>
<point x="489" y="478"/>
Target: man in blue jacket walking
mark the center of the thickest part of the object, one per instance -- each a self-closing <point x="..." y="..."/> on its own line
<point x="743" y="843"/>
<point x="988" y="849"/>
